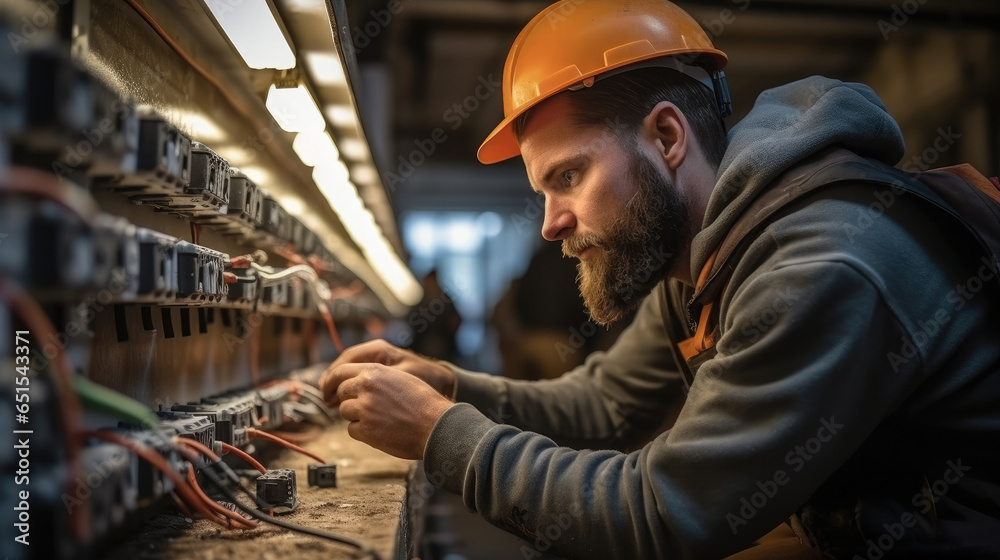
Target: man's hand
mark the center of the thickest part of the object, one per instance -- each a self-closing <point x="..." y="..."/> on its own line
<point x="387" y="408"/>
<point x="438" y="376"/>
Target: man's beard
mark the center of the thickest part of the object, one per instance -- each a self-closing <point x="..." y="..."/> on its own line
<point x="639" y="249"/>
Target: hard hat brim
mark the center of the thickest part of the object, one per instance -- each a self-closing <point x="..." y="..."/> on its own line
<point x="501" y="144"/>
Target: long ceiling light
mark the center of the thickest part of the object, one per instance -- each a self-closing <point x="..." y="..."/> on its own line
<point x="252" y="27"/>
<point x="332" y="180"/>
<point x="315" y="148"/>
<point x="325" y="68"/>
<point x="294" y="109"/>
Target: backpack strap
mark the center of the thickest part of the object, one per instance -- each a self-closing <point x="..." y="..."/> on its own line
<point x="978" y="209"/>
<point x="702" y="339"/>
<point x="948" y="189"/>
<point x="990" y="187"/>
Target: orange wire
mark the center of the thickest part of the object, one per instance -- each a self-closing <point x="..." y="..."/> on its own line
<point x="244" y="455"/>
<point x="215" y="510"/>
<point x="160" y="463"/>
<point x="200" y="448"/>
<point x="181" y="505"/>
<point x="242" y="261"/>
<point x="36" y="320"/>
<point x="229" y="514"/>
<point x="254" y="433"/>
<point x="298" y="438"/>
<point x="34" y="182"/>
<point x="330" y="326"/>
<point x="288" y="253"/>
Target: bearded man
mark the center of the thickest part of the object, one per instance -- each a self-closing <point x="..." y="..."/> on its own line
<point x="835" y="368"/>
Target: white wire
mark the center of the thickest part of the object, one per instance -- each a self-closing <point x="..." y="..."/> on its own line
<point x="320" y="289"/>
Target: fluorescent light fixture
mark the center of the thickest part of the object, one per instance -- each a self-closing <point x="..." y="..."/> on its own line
<point x="364" y="173"/>
<point x="315" y="7"/>
<point x="203" y="129"/>
<point x="332" y="180"/>
<point x="394" y="273"/>
<point x="292" y="205"/>
<point x="343" y="116"/>
<point x="325" y="68"/>
<point x="258" y="175"/>
<point x="353" y="149"/>
<point x="294" y="109"/>
<point x="253" y="29"/>
<point x="315" y="148"/>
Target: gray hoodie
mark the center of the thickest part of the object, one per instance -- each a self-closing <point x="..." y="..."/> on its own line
<point x="855" y="377"/>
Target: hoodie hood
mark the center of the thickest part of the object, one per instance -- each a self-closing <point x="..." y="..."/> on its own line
<point x="787" y="124"/>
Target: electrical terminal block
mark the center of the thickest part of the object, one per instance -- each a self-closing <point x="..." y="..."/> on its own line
<point x="323" y="476"/>
<point x="242" y="214"/>
<point x="157" y="265"/>
<point x="199" y="274"/>
<point x="163" y="164"/>
<point x="275" y="221"/>
<point x="209" y="185"/>
<point x="276" y="489"/>
<point x="116" y="257"/>
<point x="108" y="485"/>
<point x="231" y="415"/>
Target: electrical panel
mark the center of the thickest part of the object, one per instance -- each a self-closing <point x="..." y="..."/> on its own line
<point x="161" y="270"/>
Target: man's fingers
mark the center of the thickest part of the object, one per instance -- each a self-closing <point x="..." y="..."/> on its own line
<point x="373" y="351"/>
<point x="351" y="410"/>
<point x="335" y="376"/>
<point x="349" y="389"/>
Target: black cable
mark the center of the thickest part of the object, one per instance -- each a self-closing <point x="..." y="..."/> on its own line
<point x="212" y="476"/>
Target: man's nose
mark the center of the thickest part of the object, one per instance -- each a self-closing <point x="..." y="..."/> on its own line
<point x="559" y="221"/>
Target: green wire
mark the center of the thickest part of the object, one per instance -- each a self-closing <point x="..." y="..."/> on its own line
<point x="99" y="397"/>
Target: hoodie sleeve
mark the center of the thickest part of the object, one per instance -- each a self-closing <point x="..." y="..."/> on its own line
<point x="766" y="422"/>
<point x="614" y="399"/>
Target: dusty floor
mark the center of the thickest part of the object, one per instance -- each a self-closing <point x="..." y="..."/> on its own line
<point x="366" y="506"/>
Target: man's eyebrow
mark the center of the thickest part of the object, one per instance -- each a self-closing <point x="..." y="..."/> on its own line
<point x="559" y="164"/>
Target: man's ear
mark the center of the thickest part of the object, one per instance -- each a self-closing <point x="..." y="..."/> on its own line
<point x="668" y="130"/>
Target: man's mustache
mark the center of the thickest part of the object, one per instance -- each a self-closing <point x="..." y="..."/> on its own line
<point x="573" y="246"/>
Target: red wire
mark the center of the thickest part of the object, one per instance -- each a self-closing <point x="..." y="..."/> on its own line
<point x="254" y="433"/>
<point x="36" y="320"/>
<point x="195" y="234"/>
<point x="244" y="455"/>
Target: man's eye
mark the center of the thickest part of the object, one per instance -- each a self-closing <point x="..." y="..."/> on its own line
<point x="568" y="176"/>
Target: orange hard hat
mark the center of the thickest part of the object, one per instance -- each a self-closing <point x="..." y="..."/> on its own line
<point x="573" y="42"/>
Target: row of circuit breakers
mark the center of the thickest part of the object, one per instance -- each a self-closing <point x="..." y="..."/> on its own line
<point x="56" y="117"/>
<point x="131" y="484"/>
